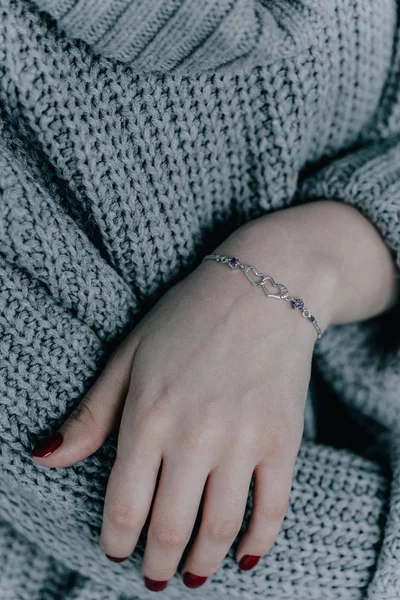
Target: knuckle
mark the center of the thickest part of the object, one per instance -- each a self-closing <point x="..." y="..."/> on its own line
<point x="249" y="435"/>
<point x="223" y="530"/>
<point x="154" y="418"/>
<point x="122" y="516"/>
<point x="278" y="440"/>
<point x="197" y="437"/>
<point x="168" y="536"/>
<point x="193" y="439"/>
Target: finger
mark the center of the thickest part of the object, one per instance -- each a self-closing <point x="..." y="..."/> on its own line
<point x="222" y="516"/>
<point x="130" y="487"/>
<point x="95" y="417"/>
<point x="271" y="494"/>
<point x="173" y="516"/>
<point x="129" y="494"/>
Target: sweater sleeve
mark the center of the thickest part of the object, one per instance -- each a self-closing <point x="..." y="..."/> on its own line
<point x="369" y="180"/>
<point x="361" y="361"/>
<point x="365" y="355"/>
<point x="189" y="36"/>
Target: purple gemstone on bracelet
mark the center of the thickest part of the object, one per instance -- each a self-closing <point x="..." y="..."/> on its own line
<point x="298" y="304"/>
<point x="234" y="261"/>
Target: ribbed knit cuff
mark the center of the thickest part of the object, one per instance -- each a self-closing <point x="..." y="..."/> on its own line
<point x="191" y="36"/>
<point x="160" y="33"/>
<point x="368" y="180"/>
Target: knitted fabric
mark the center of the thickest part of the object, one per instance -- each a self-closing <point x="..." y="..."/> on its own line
<point x="125" y="156"/>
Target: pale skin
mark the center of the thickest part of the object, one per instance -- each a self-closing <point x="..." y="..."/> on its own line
<point x="211" y="385"/>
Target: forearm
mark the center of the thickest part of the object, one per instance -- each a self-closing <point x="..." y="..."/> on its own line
<point x="325" y="252"/>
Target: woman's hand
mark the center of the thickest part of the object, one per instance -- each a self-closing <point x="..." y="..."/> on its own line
<point x="211" y="387"/>
<point x="217" y="391"/>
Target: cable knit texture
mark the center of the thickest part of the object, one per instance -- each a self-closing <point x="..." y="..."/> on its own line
<point x="136" y="135"/>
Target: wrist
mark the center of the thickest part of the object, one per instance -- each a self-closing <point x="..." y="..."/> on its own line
<point x="306" y="269"/>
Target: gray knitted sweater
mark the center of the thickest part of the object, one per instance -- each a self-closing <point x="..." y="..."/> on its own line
<point x="135" y="135"/>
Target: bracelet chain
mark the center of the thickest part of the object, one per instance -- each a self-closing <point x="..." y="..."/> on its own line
<point x="268" y="285"/>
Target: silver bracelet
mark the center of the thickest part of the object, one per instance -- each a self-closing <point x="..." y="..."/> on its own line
<point x="266" y="280"/>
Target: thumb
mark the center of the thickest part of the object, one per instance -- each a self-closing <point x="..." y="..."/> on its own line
<point x="95" y="417"/>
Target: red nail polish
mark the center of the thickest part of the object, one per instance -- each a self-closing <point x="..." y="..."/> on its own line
<point x="248" y="561"/>
<point x="47" y="446"/>
<point x="155" y="586"/>
<point x="115" y="559"/>
<point x="193" y="581"/>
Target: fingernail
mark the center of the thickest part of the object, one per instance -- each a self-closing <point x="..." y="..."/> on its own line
<point x="47" y="446"/>
<point x="153" y="585"/>
<point x="248" y="561"/>
<point x="193" y="581"/>
<point x="115" y="559"/>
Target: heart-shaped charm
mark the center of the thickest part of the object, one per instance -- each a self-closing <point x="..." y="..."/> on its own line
<point x="277" y="286"/>
<point x="252" y="274"/>
<point x="252" y="278"/>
